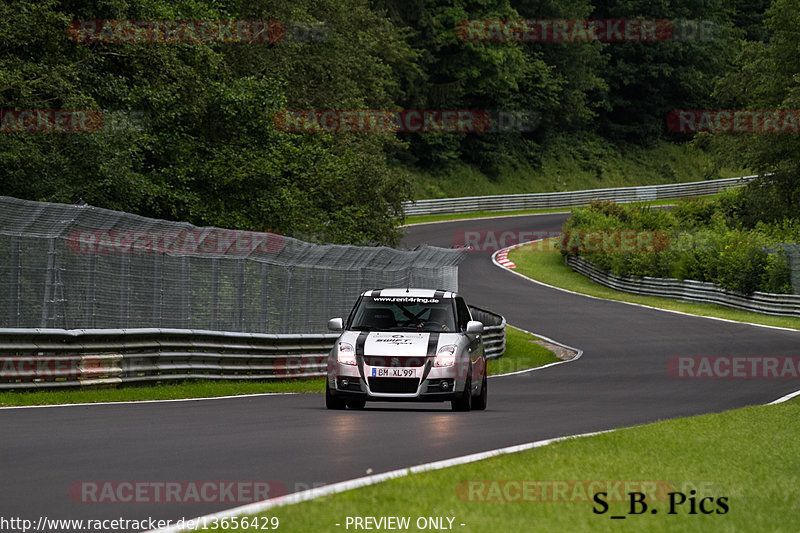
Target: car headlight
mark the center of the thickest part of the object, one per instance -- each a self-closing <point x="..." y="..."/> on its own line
<point x="446" y="356"/>
<point x="345" y="354"/>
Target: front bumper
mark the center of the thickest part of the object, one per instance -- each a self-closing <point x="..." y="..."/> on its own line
<point x="433" y="384"/>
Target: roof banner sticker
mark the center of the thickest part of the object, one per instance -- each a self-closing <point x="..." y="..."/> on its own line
<point x="405" y="300"/>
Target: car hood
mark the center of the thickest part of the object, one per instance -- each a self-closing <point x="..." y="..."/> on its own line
<point x="400" y="344"/>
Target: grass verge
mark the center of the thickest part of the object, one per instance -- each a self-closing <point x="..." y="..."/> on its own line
<point x="571" y="164"/>
<point x="521" y="353"/>
<point x="540" y="261"/>
<point x="754" y="469"/>
<point x="160" y="391"/>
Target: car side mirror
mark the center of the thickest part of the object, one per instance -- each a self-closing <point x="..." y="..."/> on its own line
<point x="473" y="326"/>
<point x="335" y="324"/>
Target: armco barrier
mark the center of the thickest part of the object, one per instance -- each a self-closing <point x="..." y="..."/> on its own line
<point x="47" y="358"/>
<point x="494" y="332"/>
<point x="510" y="202"/>
<point x="689" y="290"/>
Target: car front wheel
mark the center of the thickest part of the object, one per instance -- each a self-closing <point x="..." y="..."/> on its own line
<point x="356" y="403"/>
<point x="464" y="402"/>
<point x="479" y="402"/>
<point x="331" y="401"/>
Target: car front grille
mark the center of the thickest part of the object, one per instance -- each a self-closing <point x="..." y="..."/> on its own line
<point x="394" y="385"/>
<point x="393" y="361"/>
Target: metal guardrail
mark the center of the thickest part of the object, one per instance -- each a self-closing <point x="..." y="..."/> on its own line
<point x="494" y="332"/>
<point x="510" y="202"/>
<point x="35" y="358"/>
<point x="689" y="290"/>
<point x="48" y="358"/>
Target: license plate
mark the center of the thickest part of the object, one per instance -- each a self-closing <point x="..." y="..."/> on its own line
<point x="394" y="372"/>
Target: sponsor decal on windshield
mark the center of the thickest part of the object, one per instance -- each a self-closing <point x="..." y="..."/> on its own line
<point x="405" y="300"/>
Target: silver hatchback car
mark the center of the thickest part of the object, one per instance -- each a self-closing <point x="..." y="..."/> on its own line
<point x="407" y="345"/>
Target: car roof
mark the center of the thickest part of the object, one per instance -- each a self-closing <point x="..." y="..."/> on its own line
<point x="417" y="293"/>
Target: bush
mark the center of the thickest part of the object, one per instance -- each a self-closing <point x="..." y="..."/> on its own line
<point x="708" y="241"/>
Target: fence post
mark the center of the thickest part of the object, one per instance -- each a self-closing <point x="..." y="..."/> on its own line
<point x="125" y="290"/>
<point x="287" y="299"/>
<point x="186" y="302"/>
<point x="89" y="300"/>
<point x="14" y="292"/>
<point x="240" y="290"/>
<point x="214" y="292"/>
<point x="264" y="296"/>
<point x="158" y="285"/>
<point x="49" y="292"/>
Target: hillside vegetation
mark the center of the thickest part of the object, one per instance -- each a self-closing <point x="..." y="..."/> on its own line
<point x="206" y="130"/>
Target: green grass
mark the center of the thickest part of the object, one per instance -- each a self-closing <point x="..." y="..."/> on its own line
<point x="521" y="354"/>
<point x="424" y="219"/>
<point x="573" y="164"/>
<point x="165" y="391"/>
<point x="750" y="456"/>
<point x="539" y="261"/>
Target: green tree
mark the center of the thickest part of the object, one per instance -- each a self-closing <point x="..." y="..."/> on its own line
<point x="766" y="77"/>
<point x="188" y="133"/>
<point x="460" y="74"/>
<point x="648" y="80"/>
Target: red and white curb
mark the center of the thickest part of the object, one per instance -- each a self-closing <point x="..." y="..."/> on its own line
<point x="501" y="258"/>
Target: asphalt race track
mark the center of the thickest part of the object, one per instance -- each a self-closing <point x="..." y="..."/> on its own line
<point x="621" y="380"/>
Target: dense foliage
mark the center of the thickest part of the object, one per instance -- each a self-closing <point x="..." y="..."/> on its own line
<point x="766" y="77"/>
<point x="703" y="240"/>
<point x="189" y="131"/>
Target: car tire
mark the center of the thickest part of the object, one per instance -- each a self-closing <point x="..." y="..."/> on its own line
<point x="356" y="403"/>
<point x="464" y="402"/>
<point x="331" y="401"/>
<point x="479" y="402"/>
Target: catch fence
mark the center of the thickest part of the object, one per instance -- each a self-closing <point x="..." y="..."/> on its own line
<point x="76" y="267"/>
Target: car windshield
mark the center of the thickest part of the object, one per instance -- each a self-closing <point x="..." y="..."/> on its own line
<point x="403" y="313"/>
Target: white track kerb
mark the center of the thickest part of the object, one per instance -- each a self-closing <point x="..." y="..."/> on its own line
<point x="505" y="251"/>
<point x="311" y="494"/>
<point x="523" y="276"/>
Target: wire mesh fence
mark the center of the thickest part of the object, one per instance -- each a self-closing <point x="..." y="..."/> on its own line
<point x="82" y="267"/>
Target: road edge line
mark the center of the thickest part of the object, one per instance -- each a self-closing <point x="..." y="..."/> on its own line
<point x="578" y="354"/>
<point x="523" y="276"/>
<point x="166" y="400"/>
<point x="343" y="486"/>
